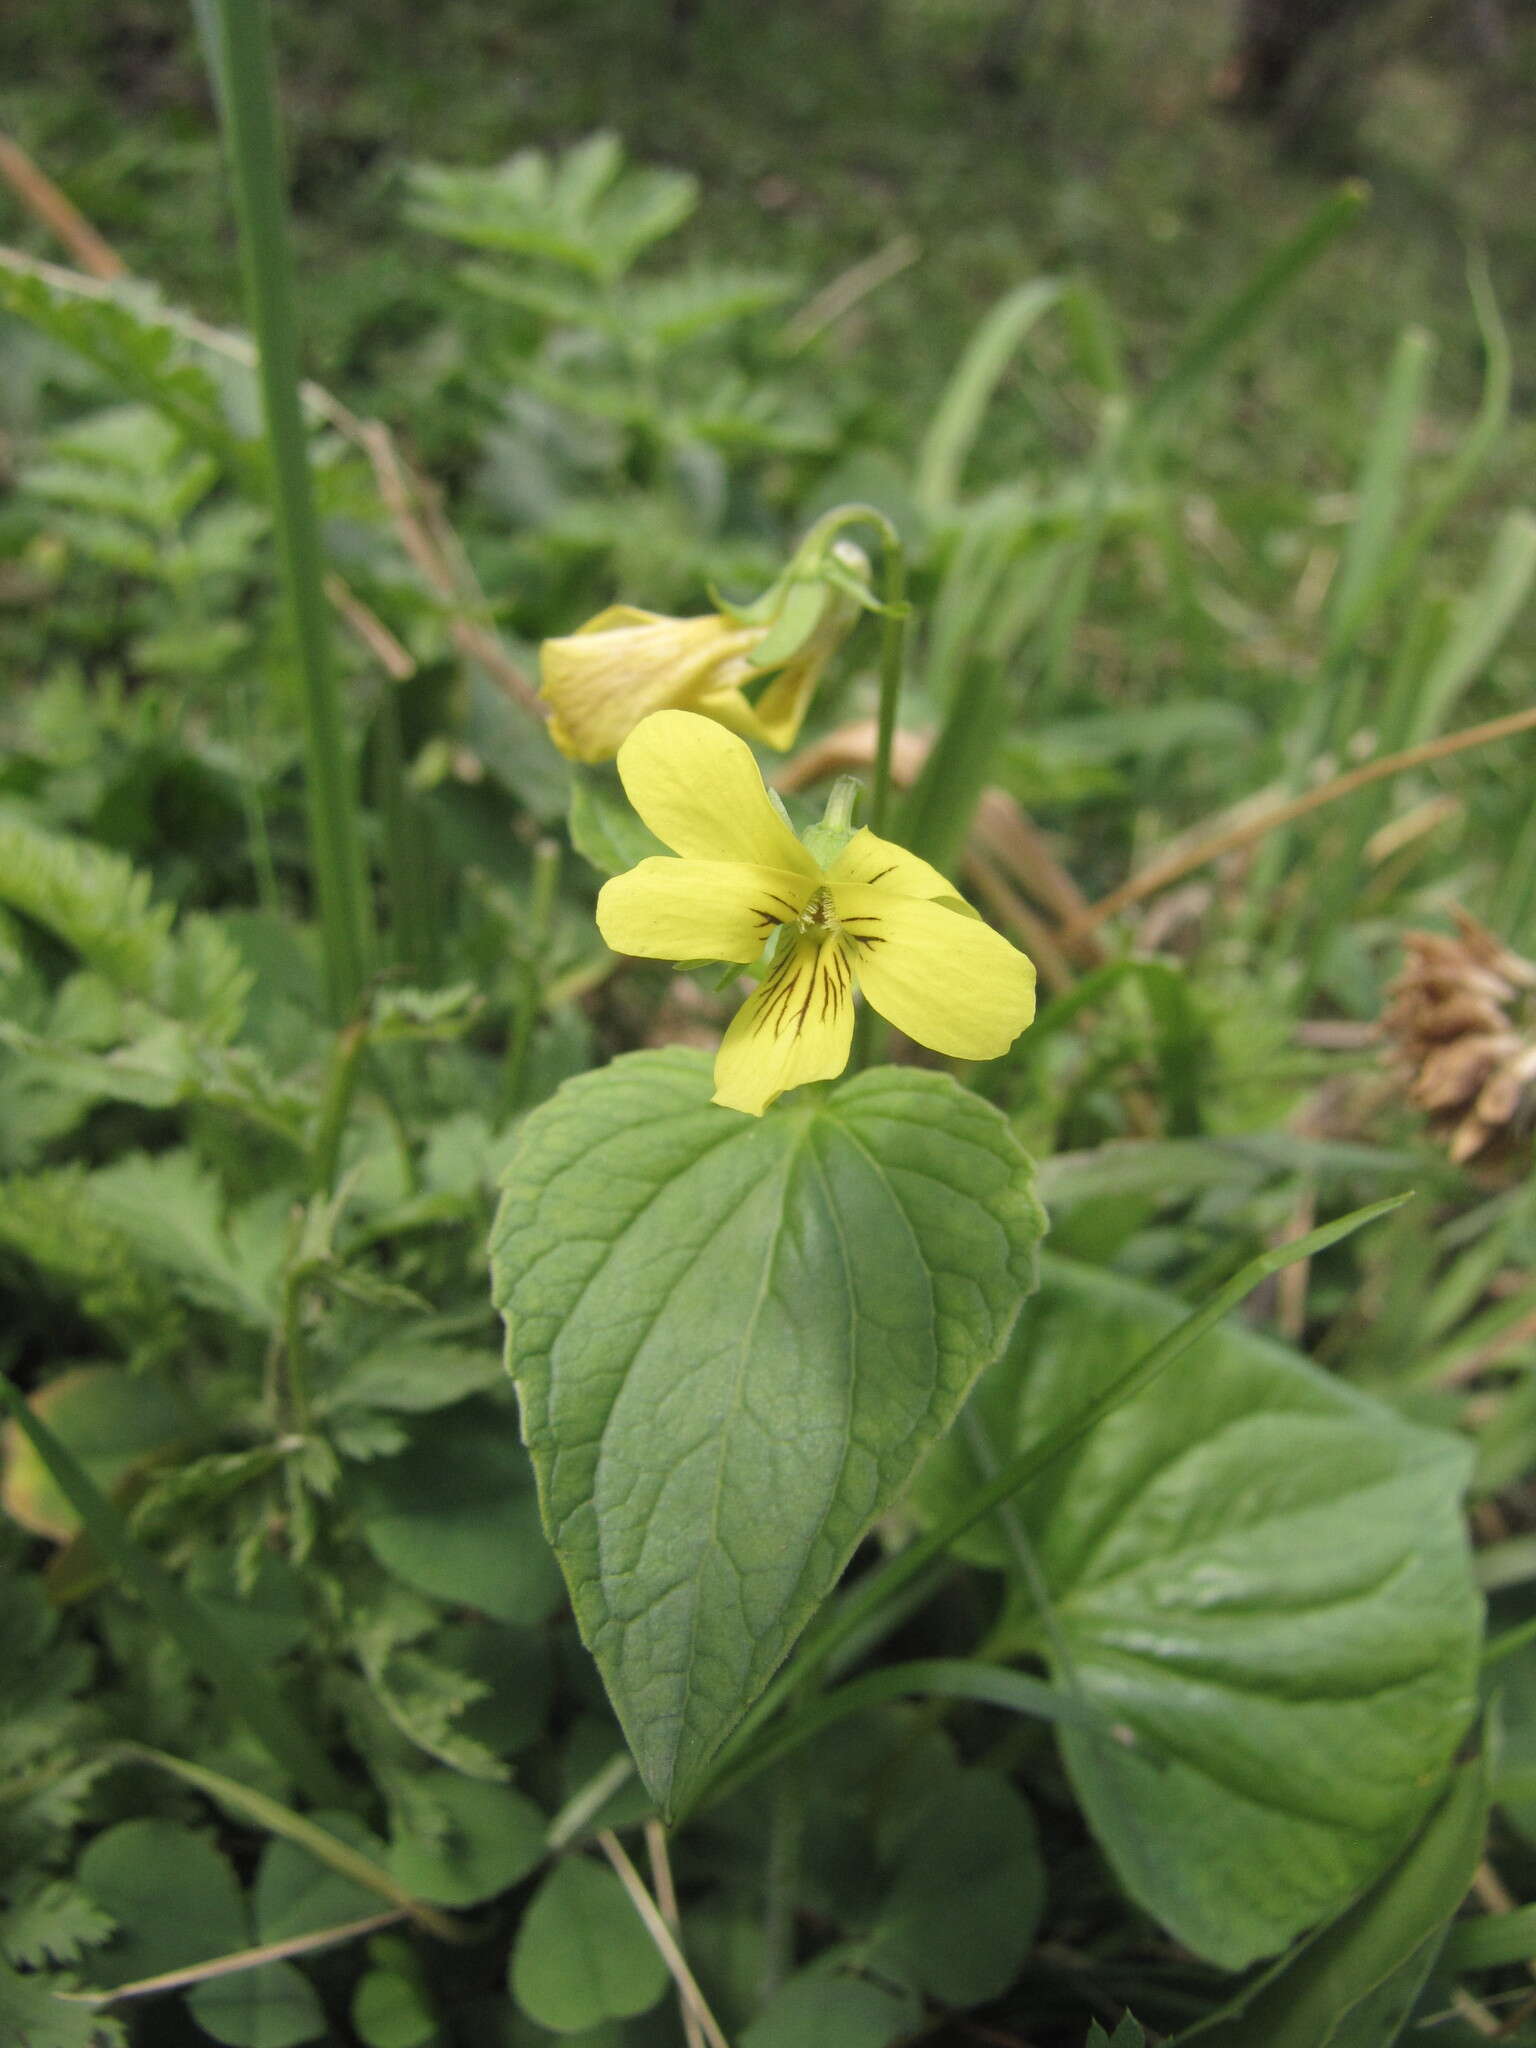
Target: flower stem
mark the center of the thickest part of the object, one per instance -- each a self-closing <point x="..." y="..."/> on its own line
<point x="241" y="57"/>
<point x="893" y="642"/>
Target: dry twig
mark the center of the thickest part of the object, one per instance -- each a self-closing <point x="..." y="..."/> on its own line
<point x="38" y="193"/>
<point x="661" y="1934"/>
<point x="1174" y="866"/>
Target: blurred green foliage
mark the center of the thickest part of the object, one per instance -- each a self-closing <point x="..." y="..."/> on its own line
<point x="1212" y="481"/>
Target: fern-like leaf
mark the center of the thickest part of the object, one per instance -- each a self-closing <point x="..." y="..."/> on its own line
<point x="31" y="2017"/>
<point x="90" y="898"/>
<point x="143" y="356"/>
<point x="51" y="1921"/>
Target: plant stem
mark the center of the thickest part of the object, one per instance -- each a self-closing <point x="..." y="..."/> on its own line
<point x="893" y="643"/>
<point x="336" y="1103"/>
<point x="246" y="96"/>
<point x="546" y="880"/>
<point x="662" y="1935"/>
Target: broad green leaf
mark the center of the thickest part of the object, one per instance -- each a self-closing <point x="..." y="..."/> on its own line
<point x="266" y="1618"/>
<point x="388" y="2011"/>
<point x="815" y="2009"/>
<point x="455" y="1515"/>
<point x="273" y="2006"/>
<point x="391" y="2006"/>
<point x="111" y="1420"/>
<point x="734" y="1340"/>
<point x="1354" y="1984"/>
<point x="487" y="1838"/>
<point x="1260" y="1574"/>
<point x="295" y="1893"/>
<point x="966" y="1893"/>
<point x="173" y="1896"/>
<point x="582" y="1954"/>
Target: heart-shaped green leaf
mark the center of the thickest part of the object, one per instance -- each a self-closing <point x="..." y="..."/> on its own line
<point x="734" y="1339"/>
<point x="1263" y="1577"/>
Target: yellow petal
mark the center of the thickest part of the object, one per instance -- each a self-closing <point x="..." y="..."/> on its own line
<point x="797" y="1027"/>
<point x="866" y="859"/>
<point x="601" y="680"/>
<point x="698" y="788"/>
<point x="698" y="909"/>
<point x="947" y="981"/>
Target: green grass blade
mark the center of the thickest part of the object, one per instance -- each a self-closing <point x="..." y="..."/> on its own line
<point x="965" y="595"/>
<point x="243" y="1685"/>
<point x="987" y="693"/>
<point x="1072" y="591"/>
<point x="952" y="434"/>
<point x="948" y="1678"/>
<point x="245" y="86"/>
<point x="1230" y="323"/>
<point x="1490" y="1943"/>
<point x="1515" y="900"/>
<point x="937" y="813"/>
<point x="1379" y="492"/>
<point x="1479" y="442"/>
<point x="277" y="1819"/>
<point x="1483" y="618"/>
<point x="1095" y="336"/>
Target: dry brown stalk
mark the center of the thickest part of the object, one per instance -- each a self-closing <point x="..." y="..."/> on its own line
<point x="666" y="1943"/>
<point x="241" y="1959"/>
<point x="839" y="298"/>
<point x="396" y="660"/>
<point x="666" y="1900"/>
<point x="434" y="549"/>
<point x="39" y="194"/>
<point x="1173" y="867"/>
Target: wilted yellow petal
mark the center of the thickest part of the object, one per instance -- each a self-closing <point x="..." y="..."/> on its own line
<point x="797" y="1027"/>
<point x="947" y="981"/>
<point x="700" y="791"/>
<point x="866" y="859"/>
<point x="601" y="680"/>
<point x="698" y="909"/>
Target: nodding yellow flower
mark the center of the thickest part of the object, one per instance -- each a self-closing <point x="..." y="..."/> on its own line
<point x="601" y="680"/>
<point x="875" y="918"/>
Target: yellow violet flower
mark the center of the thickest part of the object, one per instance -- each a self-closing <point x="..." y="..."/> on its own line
<point x="601" y="680"/>
<point x="874" y="918"/>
